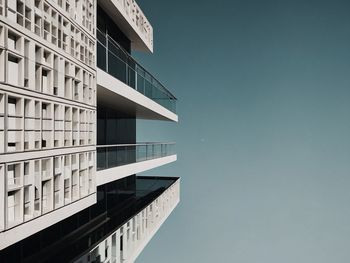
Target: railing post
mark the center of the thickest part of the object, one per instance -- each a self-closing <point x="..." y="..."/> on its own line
<point x="146" y="152"/>
<point x="136" y="88"/>
<point x="126" y="72"/>
<point x="106" y="157"/>
<point x="107" y="50"/>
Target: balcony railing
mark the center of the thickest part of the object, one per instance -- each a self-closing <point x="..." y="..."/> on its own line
<point x="109" y="156"/>
<point x="118" y="63"/>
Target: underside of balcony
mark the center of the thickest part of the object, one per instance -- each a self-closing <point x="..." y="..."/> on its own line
<point x="113" y="93"/>
<point x="120" y="205"/>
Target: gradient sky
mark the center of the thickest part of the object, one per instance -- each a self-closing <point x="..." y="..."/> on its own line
<point x="263" y="140"/>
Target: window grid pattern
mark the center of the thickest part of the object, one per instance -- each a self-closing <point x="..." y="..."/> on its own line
<point x="69" y="27"/>
<point x="57" y="181"/>
<point x="20" y="59"/>
<point x="31" y="124"/>
<point x="47" y="105"/>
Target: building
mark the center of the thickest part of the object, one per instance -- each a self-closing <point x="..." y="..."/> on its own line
<point x="70" y="94"/>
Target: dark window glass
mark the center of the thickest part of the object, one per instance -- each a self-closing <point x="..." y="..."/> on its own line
<point x="101" y="57"/>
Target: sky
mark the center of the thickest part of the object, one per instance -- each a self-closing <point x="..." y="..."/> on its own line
<point x="263" y="138"/>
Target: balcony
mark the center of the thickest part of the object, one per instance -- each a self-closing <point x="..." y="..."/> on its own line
<point x="131" y="20"/>
<point x="109" y="156"/>
<point x="118" y="161"/>
<point x="112" y="59"/>
<point x="126" y="243"/>
<point x="130" y="216"/>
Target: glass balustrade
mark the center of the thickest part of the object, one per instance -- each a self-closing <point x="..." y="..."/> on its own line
<point x="109" y="156"/>
<point x="118" y="63"/>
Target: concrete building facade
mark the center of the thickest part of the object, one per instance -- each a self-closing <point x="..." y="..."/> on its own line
<point x="70" y="95"/>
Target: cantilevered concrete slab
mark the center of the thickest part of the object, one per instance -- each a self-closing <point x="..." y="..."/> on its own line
<point x="113" y="93"/>
<point x="112" y="174"/>
<point x="131" y="20"/>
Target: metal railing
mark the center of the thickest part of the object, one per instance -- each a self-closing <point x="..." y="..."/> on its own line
<point x="118" y="63"/>
<point x="109" y="156"/>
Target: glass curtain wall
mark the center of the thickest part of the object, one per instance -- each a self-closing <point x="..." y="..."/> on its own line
<point x="114" y="127"/>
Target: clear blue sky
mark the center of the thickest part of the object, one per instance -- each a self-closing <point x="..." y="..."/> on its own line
<point x="263" y="140"/>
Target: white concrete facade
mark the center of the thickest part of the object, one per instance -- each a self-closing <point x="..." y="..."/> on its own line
<point x="47" y="113"/>
<point x="16" y="234"/>
<point x="131" y="20"/>
<point x="49" y="90"/>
